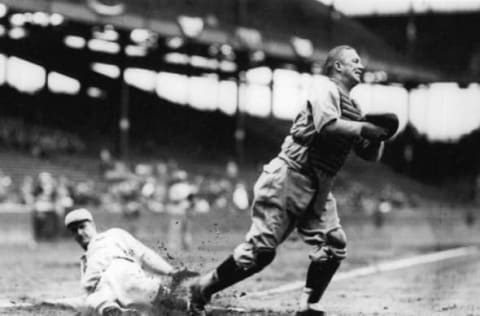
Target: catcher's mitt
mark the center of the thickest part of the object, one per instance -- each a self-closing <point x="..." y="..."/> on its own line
<point x="387" y="121"/>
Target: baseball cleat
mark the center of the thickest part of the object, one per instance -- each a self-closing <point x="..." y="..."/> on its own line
<point x="312" y="309"/>
<point x="118" y="311"/>
<point x="310" y="312"/>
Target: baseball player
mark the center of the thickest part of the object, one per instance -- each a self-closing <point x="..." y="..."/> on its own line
<point x="294" y="189"/>
<point x="119" y="274"/>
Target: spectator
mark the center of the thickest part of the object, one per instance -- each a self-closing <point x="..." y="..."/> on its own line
<point x="179" y="207"/>
<point x="45" y="216"/>
<point x="5" y="184"/>
<point x="106" y="162"/>
<point x="240" y="197"/>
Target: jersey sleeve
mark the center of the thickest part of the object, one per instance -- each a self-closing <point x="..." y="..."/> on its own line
<point x="325" y="103"/>
<point x="135" y="248"/>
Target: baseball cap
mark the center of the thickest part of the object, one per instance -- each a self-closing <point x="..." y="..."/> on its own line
<point x="78" y="215"/>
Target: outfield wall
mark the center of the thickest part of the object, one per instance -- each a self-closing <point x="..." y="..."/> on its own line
<point x="15" y="225"/>
<point x="396" y="229"/>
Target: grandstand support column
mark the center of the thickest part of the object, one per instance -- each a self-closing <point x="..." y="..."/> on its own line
<point x="330" y="23"/>
<point x="409" y="86"/>
<point x="271" y="87"/>
<point x="240" y="13"/>
<point x="189" y="70"/>
<point x="124" y="123"/>
<point x="240" y="121"/>
<point x="411" y="33"/>
<point x="408" y="150"/>
<point x="124" y="104"/>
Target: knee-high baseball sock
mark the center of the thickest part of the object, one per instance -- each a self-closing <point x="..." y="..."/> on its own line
<point x="229" y="273"/>
<point x="319" y="276"/>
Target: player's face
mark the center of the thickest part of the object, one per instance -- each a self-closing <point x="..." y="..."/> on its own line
<point x="351" y="67"/>
<point x="83" y="232"/>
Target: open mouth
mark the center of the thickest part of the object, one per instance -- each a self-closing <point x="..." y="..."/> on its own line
<point x="358" y="74"/>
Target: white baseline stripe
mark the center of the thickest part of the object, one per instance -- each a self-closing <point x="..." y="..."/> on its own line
<point x="376" y="268"/>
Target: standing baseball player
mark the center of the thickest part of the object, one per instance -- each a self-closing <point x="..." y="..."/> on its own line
<point x="119" y="273"/>
<point x="294" y="189"/>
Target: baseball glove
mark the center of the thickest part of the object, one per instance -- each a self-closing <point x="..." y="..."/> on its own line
<point x="387" y="121"/>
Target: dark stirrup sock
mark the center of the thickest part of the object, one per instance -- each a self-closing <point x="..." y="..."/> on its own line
<point x="319" y="276"/>
<point x="229" y="273"/>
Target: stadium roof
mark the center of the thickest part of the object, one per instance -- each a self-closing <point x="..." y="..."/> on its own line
<point x="277" y="22"/>
<point x="402" y="7"/>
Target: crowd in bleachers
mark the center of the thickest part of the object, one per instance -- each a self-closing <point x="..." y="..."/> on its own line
<point x="162" y="186"/>
<point x="38" y="140"/>
<point x="146" y="187"/>
<point x="151" y="186"/>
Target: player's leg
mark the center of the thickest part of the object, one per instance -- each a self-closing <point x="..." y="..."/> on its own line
<point x="325" y="233"/>
<point x="120" y="311"/>
<point x="270" y="224"/>
<point x="324" y="264"/>
<point x="103" y="300"/>
<point x="124" y="289"/>
<point x="229" y="272"/>
<point x="247" y="259"/>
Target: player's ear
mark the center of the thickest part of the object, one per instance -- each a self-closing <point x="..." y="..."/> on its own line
<point x="337" y="65"/>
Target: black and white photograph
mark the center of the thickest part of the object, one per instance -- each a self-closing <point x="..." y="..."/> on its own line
<point x="239" y="157"/>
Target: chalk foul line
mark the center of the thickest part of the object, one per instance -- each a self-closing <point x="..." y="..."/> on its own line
<point x="376" y="268"/>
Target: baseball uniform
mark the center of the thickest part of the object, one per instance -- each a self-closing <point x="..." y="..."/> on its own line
<point x="294" y="189"/>
<point x="112" y="273"/>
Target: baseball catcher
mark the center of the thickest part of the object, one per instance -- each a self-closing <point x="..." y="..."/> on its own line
<point x="294" y="191"/>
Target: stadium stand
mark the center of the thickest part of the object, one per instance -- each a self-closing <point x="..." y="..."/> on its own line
<point x="18" y="165"/>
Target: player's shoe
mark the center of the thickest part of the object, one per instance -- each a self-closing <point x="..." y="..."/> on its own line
<point x="197" y="301"/>
<point x="312" y="309"/>
<point x="119" y="311"/>
<point x="310" y="312"/>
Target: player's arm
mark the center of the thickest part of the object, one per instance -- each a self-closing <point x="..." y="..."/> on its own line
<point x="149" y="259"/>
<point x="369" y="150"/>
<point x="344" y="127"/>
<point x="155" y="263"/>
<point x="356" y="129"/>
<point x="325" y="108"/>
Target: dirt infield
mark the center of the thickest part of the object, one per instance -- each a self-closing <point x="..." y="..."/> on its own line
<point x="50" y="270"/>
